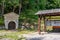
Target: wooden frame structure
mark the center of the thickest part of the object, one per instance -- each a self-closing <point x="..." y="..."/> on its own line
<point x="43" y="14"/>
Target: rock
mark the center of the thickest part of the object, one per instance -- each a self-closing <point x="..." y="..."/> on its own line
<point x="43" y="33"/>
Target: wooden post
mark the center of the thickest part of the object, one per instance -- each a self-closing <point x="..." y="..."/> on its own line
<point x="44" y="25"/>
<point x="39" y="24"/>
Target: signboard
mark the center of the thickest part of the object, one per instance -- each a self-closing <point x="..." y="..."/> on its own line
<point x="53" y="23"/>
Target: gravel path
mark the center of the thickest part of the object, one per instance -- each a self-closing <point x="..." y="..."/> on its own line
<point x="50" y="36"/>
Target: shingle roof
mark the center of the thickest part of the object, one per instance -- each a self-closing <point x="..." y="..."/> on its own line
<point x="11" y="13"/>
<point x="48" y="11"/>
<point x="11" y="16"/>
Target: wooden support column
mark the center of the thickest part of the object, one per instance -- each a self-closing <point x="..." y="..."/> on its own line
<point x="39" y="24"/>
<point x="44" y="24"/>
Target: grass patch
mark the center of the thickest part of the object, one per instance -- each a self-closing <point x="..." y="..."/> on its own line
<point x="14" y="35"/>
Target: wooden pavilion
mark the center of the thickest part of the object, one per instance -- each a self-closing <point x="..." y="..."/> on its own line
<point x="43" y="14"/>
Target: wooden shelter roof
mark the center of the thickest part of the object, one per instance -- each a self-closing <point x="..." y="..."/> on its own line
<point x="51" y="12"/>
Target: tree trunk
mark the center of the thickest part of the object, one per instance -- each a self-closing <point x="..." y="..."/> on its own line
<point x="20" y="6"/>
<point x="14" y="8"/>
<point x="2" y="8"/>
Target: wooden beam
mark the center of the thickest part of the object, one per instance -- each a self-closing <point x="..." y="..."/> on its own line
<point x="39" y="24"/>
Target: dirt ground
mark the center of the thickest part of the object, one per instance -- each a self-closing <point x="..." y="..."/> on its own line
<point x="35" y="35"/>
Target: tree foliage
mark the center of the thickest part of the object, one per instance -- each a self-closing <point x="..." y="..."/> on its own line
<point x="28" y="7"/>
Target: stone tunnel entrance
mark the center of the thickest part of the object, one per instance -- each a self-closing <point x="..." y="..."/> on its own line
<point x="11" y="21"/>
<point x="11" y="25"/>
